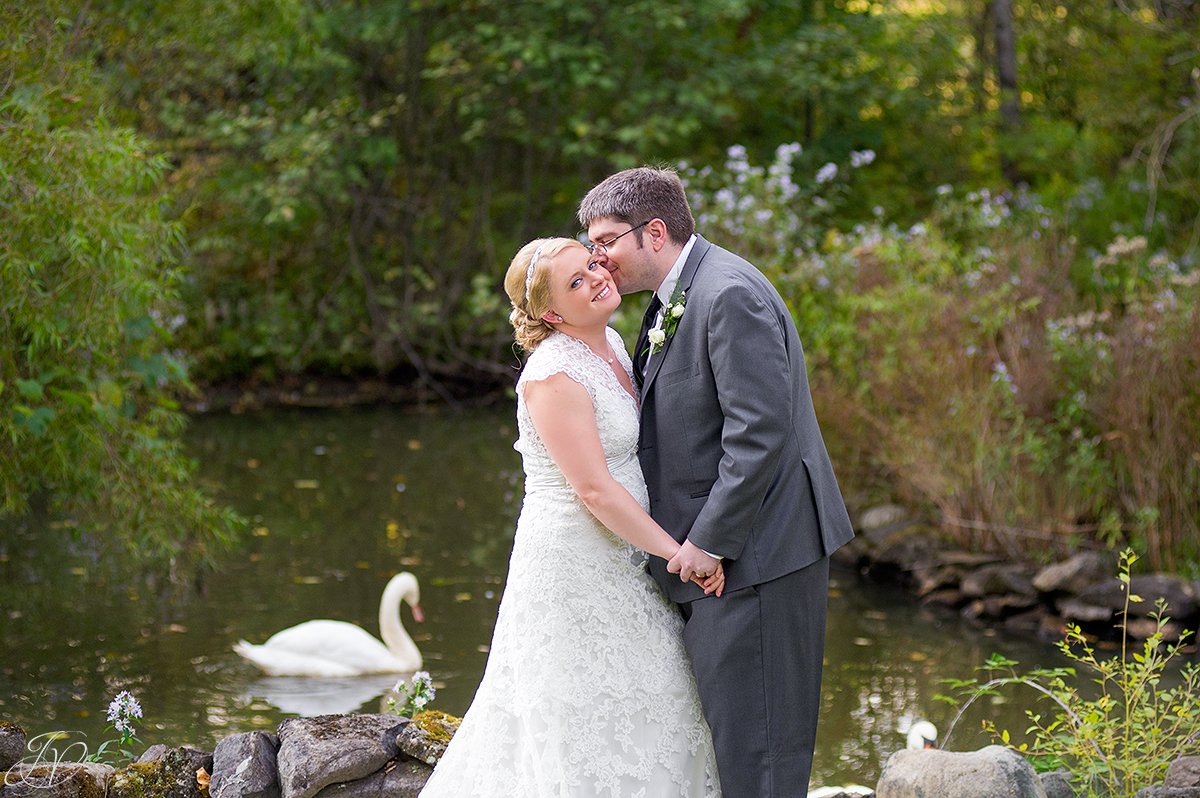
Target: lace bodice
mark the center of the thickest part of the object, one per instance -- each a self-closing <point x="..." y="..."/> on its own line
<point x="588" y="690"/>
<point x="616" y="410"/>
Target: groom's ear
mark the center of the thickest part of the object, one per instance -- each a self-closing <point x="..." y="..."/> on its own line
<point x="656" y="229"/>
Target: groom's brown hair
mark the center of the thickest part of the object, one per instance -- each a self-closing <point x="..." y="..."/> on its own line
<point x="638" y="195"/>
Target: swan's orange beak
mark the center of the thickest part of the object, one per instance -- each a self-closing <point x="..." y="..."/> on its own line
<point x="418" y="613"/>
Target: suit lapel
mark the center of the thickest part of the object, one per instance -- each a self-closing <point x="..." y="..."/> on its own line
<point x="699" y="250"/>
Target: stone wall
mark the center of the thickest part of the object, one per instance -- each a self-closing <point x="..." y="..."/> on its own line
<point x="330" y="756"/>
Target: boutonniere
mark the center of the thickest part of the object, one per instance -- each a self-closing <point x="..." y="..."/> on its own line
<point x="671" y="314"/>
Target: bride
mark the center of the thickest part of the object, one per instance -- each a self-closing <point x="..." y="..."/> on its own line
<point x="588" y="690"/>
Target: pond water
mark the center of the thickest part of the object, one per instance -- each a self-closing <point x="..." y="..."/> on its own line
<point x="340" y="501"/>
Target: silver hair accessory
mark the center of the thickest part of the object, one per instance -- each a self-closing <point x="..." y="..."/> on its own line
<point x="537" y="253"/>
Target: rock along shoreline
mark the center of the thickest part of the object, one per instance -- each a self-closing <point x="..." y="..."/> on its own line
<point x="385" y="756"/>
<point x="993" y="590"/>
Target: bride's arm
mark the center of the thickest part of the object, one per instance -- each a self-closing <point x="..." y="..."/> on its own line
<point x="563" y="416"/>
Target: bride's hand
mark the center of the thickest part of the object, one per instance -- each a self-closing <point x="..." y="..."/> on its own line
<point x="714" y="583"/>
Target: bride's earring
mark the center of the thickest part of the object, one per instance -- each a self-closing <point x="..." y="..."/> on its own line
<point x="551" y="318"/>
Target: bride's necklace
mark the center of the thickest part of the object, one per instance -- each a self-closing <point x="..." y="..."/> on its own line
<point x="606" y="359"/>
<point x="610" y="358"/>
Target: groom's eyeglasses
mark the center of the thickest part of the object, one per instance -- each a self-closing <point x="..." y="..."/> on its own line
<point x="602" y="246"/>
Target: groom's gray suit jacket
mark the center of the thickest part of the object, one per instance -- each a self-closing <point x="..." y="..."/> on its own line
<point x="730" y="447"/>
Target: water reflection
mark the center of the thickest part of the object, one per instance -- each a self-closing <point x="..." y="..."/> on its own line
<point x="307" y="696"/>
<point x="341" y="500"/>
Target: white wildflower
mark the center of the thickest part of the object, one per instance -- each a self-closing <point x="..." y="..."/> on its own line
<point x="862" y="158"/>
<point x="827" y="172"/>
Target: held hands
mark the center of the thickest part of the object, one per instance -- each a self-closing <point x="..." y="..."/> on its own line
<point x="694" y="565"/>
<point x="714" y="583"/>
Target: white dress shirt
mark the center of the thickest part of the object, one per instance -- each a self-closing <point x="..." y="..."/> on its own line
<point x="667" y="286"/>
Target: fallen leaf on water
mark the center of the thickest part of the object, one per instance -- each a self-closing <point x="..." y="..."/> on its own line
<point x="393" y="530"/>
<point x="362" y="565"/>
<point x="308" y="580"/>
<point x="261" y="531"/>
<point x="460" y="597"/>
<point x="175" y="627"/>
<point x="918" y="656"/>
<point x="251" y="463"/>
<point x="414" y="444"/>
<point x="484" y="649"/>
<point x="410" y="560"/>
<point x="862" y="641"/>
<point x="306" y="484"/>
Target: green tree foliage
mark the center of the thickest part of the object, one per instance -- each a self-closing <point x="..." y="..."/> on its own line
<point x="354" y="177"/>
<point x="88" y="424"/>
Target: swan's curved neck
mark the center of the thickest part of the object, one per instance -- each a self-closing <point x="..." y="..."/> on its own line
<point x="391" y="628"/>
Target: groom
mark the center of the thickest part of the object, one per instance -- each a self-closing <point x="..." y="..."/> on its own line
<point x="737" y="471"/>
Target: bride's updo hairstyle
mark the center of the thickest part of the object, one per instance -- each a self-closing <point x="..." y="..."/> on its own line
<point x="527" y="284"/>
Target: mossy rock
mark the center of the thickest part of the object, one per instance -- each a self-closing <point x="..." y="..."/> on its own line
<point x="57" y="780"/>
<point x="12" y="744"/>
<point x="426" y="736"/>
<point x="173" y="775"/>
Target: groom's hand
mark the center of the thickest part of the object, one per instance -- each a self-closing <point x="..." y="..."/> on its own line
<point x="690" y="561"/>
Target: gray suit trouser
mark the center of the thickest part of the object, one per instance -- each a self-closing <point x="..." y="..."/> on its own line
<point x="757" y="655"/>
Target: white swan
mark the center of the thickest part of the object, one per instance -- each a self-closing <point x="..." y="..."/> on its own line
<point x="922" y="734"/>
<point x="337" y="648"/>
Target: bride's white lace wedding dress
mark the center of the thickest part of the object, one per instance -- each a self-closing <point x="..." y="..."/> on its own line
<point x="588" y="690"/>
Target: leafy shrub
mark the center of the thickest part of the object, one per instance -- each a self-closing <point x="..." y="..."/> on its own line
<point x="1119" y="739"/>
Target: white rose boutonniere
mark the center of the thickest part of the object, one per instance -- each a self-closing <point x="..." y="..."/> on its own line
<point x="671" y="314"/>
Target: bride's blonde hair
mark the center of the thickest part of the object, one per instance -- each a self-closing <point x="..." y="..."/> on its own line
<point x="529" y="291"/>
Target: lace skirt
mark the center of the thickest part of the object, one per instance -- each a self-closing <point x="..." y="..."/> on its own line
<point x="588" y="690"/>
